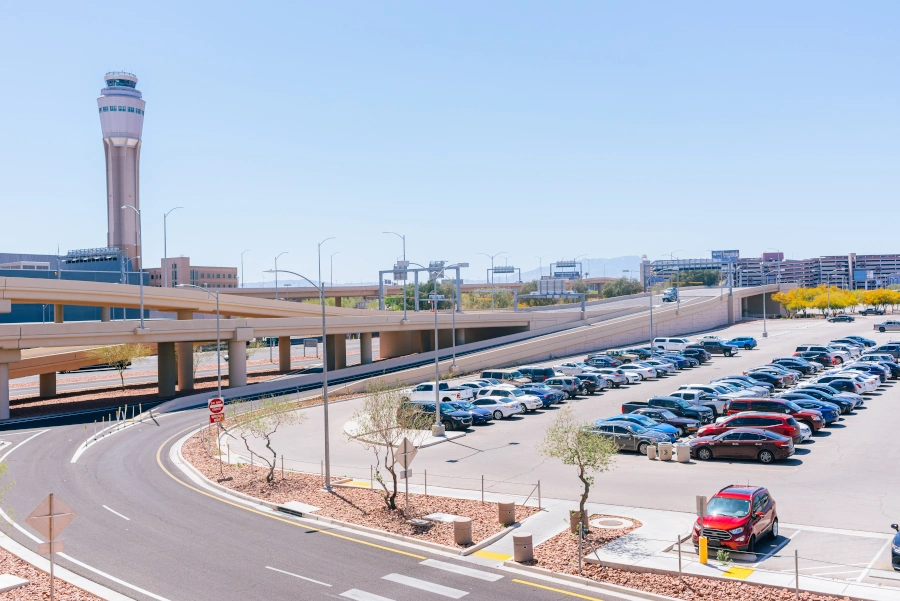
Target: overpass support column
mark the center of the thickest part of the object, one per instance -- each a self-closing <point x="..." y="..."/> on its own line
<point x="284" y="353"/>
<point x="166" y="368"/>
<point x="337" y="301"/>
<point x="237" y="363"/>
<point x="104" y="314"/>
<point x="6" y="357"/>
<point x="48" y="385"/>
<point x="460" y="336"/>
<point x="365" y="348"/>
<point x="337" y="351"/>
<point x="58" y="313"/>
<point x="185" y="359"/>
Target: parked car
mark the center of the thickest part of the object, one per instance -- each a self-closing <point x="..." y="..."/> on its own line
<point x="547" y="395"/>
<point x="891" y="349"/>
<point x="797" y="363"/>
<point x="642" y="353"/>
<point x="822" y="358"/>
<point x="822" y="348"/>
<point x="874" y="369"/>
<point x="710" y="337"/>
<point x="866" y="341"/>
<point x="843" y="317"/>
<point x="773" y="422"/>
<point x="622" y="356"/>
<point x="857" y="399"/>
<point x="871" y="311"/>
<point x="476" y="386"/>
<point x="743" y="443"/>
<point x="500" y="407"/>
<point x="507" y="376"/>
<point x="754" y="390"/>
<point x="769" y="387"/>
<point x="848" y="340"/>
<point x="737" y="518"/>
<point x="572" y="368"/>
<point x="662" y="367"/>
<point x="767" y="378"/>
<point x="565" y="384"/>
<point x="684" y="425"/>
<point x="810" y="417"/>
<point x="676" y="359"/>
<point x="700" y="398"/>
<point x="642" y="420"/>
<point x="630" y="437"/>
<point x="672" y="344"/>
<point x="699" y="354"/>
<point x="842" y="384"/>
<point x="529" y="401"/>
<point x="845" y="405"/>
<point x="890" y="325"/>
<point x="537" y="374"/>
<point x="830" y="412"/>
<point x="644" y="371"/>
<point x="895" y="548"/>
<point x="852" y="349"/>
<point x="715" y="347"/>
<point x="890" y="365"/>
<point x="451" y="418"/>
<point x="791" y="377"/>
<point x="448" y="393"/>
<point x="602" y="361"/>
<point x="616" y="377"/>
<point x="676" y="405"/>
<point x="744" y="342"/>
<point x="591" y="383"/>
<point x="480" y="415"/>
<point x="714" y="389"/>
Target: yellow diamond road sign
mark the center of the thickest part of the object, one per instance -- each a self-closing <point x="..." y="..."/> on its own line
<point x="50" y="517"/>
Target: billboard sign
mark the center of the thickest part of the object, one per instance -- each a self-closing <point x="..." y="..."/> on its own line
<point x="861" y="275"/>
<point x="727" y="256"/>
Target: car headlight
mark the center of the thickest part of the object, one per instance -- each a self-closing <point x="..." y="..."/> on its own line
<point x="697" y="527"/>
<point x="737" y="530"/>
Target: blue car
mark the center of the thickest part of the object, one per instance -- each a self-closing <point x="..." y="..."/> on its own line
<point x="642" y="420"/>
<point x="830" y="412"/>
<point x="679" y="361"/>
<point x="744" y="342"/>
<point x="547" y="395"/>
<point x="479" y="415"/>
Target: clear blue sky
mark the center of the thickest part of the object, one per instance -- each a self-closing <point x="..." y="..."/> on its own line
<point x="605" y="128"/>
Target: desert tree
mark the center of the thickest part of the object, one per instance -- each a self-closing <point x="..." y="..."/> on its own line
<point x="119" y="356"/>
<point x="262" y="419"/>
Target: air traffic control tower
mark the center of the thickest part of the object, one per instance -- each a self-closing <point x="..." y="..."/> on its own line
<point x="122" y="121"/>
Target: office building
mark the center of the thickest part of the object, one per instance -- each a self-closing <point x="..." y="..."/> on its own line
<point x="180" y="271"/>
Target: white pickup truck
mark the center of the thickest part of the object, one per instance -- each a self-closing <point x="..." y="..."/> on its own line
<point x="425" y="392"/>
<point x="702" y="398"/>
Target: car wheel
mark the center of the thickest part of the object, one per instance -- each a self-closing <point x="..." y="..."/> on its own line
<point x="679" y="432"/>
<point x="448" y="426"/>
<point x="751" y="546"/>
<point x="881" y="329"/>
<point x="766" y="456"/>
<point x="642" y="448"/>
<point x="747" y="347"/>
<point x="839" y="360"/>
<point x="704" y="454"/>
<point x="498" y="414"/>
<point x="773" y="532"/>
<point x="727" y="353"/>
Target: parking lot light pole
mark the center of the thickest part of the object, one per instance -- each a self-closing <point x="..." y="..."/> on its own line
<point x="141" y="271"/>
<point x="324" y="373"/>
<point x="276" y="272"/>
<point x="541" y="265"/>
<point x="165" y="253"/>
<point x="765" y="279"/>
<point x="242" y="266"/>
<point x="492" y="273"/>
<point x="218" y="334"/>
<point x="438" y="428"/>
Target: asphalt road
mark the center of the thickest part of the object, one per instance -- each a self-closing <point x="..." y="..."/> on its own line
<point x="143" y="523"/>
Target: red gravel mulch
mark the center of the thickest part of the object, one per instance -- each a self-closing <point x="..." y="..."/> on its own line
<point x="360" y="506"/>
<point x="38" y="586"/>
<point x="560" y="554"/>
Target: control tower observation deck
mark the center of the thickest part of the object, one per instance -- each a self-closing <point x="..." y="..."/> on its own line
<point x="122" y="121"/>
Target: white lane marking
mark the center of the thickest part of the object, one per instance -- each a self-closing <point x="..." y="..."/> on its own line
<point x="452" y="567"/>
<point x="424" y="585"/>
<point x="113" y="578"/>
<point x="114" y="428"/>
<point x="817" y="574"/>
<point x="297" y="576"/>
<point x="358" y="595"/>
<point x="777" y="548"/>
<point x="5" y="455"/>
<point x="874" y="559"/>
<point x="116" y="512"/>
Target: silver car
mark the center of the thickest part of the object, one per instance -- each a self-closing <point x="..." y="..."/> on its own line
<point x="563" y="383"/>
<point x="614" y="375"/>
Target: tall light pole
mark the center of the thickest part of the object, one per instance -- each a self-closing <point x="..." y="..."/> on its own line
<point x="165" y="253"/>
<point x="276" y="272"/>
<point x="321" y="288"/>
<point x="218" y="333"/>
<point x="765" y="284"/>
<point x="331" y="267"/>
<point x="242" y="266"/>
<point x="492" y="273"/>
<point x="677" y="278"/>
<point x="141" y="272"/>
<point x="780" y="254"/>
<point x="402" y="237"/>
<point x="541" y="265"/>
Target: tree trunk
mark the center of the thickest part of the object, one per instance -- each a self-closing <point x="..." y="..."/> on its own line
<point x="584" y="495"/>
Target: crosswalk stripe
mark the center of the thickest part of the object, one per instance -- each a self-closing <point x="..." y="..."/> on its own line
<point x="358" y="595"/>
<point x="431" y="587"/>
<point x="452" y="567"/>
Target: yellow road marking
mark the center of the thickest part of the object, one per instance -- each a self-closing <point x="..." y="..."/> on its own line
<point x="736" y="572"/>
<point x="492" y="555"/>
<point x="291" y="522"/>
<point x="557" y="590"/>
<point x="359" y="483"/>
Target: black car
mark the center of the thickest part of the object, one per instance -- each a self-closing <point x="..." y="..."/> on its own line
<point x="872" y="311"/>
<point x="841" y="317"/>
<point x="602" y="361"/>
<point x="895" y="548"/>
<point x="664" y="416"/>
<point x="679" y="407"/>
<point x="819" y="357"/>
<point x="801" y="365"/>
<point x="642" y="353"/>
<point x="776" y="381"/>
<point x="591" y="383"/>
<point x="451" y="418"/>
<point x="715" y="347"/>
<point x="845" y="405"/>
<point x="844" y="385"/>
<point x="873" y="368"/>
<point x="866" y="341"/>
<point x="697" y="353"/>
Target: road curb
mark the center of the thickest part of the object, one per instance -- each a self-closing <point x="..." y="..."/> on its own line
<point x="604" y="586"/>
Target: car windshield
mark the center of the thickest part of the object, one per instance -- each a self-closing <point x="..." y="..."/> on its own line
<point x="465" y="405"/>
<point x="732" y="508"/>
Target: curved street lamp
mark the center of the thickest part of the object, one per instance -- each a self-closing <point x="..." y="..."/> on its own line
<point x="492" y="273"/>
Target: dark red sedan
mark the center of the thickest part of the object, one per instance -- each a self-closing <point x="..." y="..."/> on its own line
<point x="743" y="443"/>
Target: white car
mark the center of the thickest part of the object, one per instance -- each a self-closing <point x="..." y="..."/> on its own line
<point x="476" y="386"/>
<point x="872" y="381"/>
<point x="573" y="369"/>
<point x="610" y="372"/>
<point x="711" y="337"/>
<point x="530" y="401"/>
<point x="733" y="387"/>
<point x="666" y="368"/>
<point x="750" y="389"/>
<point x="671" y="344"/>
<point x="852" y="350"/>
<point x="645" y="372"/>
<point x="805" y="432"/>
<point x="499" y="406"/>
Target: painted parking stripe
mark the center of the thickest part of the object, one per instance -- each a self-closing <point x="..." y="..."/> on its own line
<point x="424" y="585"/>
<point x="297" y="576"/>
<point x="358" y="595"/>
<point x="464" y="571"/>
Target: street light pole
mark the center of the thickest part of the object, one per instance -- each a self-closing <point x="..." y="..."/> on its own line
<point x="438" y="428"/>
<point x="492" y="273"/>
<point x="165" y="253"/>
<point x="276" y="272"/>
<point x="324" y="371"/>
<point x="541" y="265"/>
<point x="141" y="272"/>
<point x="331" y="267"/>
<point x="402" y="237"/>
<point x="218" y="333"/>
<point x="242" y="266"/>
<point x="765" y="284"/>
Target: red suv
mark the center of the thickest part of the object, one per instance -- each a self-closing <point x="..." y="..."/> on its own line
<point x="810" y="417"/>
<point x="775" y="422"/>
<point x="738" y="517"/>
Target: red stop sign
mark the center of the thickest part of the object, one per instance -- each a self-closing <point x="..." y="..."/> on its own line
<point x="216" y="405"/>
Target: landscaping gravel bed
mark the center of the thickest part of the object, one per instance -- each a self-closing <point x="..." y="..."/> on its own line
<point x="560" y="554"/>
<point x="38" y="586"/>
<point x="360" y="506"/>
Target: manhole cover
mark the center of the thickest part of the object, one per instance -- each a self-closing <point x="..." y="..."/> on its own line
<point x="611" y="523"/>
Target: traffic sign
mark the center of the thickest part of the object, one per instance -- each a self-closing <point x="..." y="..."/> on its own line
<point x="404" y="474"/>
<point x="50" y="517"/>
<point x="216" y="405"/>
<point x="215" y="418"/>
<point x="406" y="452"/>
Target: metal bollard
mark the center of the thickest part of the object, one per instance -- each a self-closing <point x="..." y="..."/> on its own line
<point x="506" y="513"/>
<point x="523" y="549"/>
<point x="462" y="531"/>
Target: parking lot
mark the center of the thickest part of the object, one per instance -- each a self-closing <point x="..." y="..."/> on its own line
<point x="844" y="479"/>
